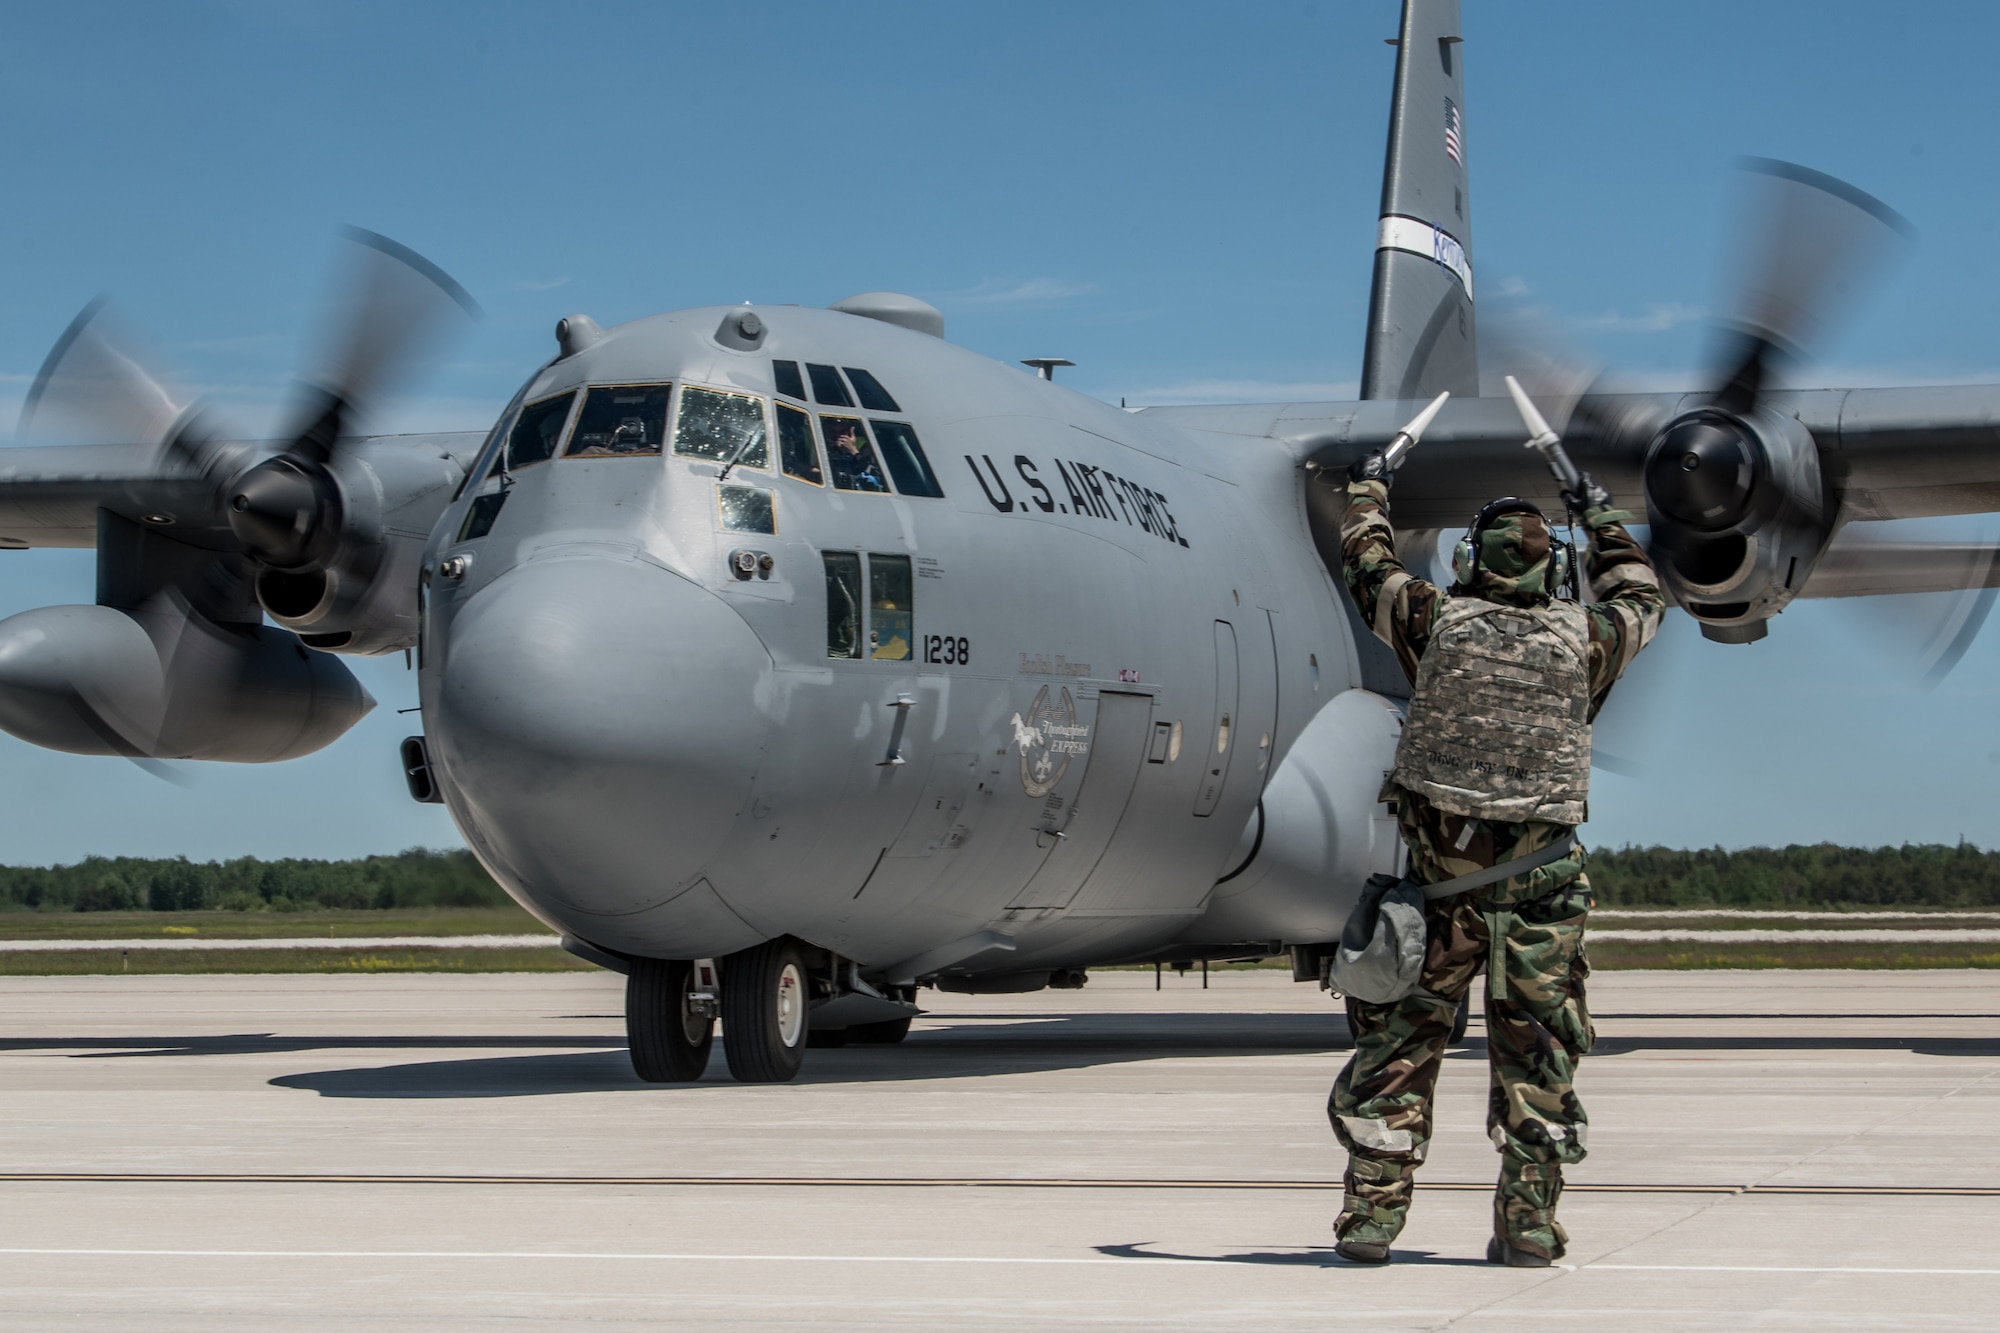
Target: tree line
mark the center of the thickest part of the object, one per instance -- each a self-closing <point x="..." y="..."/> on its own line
<point x="1822" y="875"/>
<point x="416" y="878"/>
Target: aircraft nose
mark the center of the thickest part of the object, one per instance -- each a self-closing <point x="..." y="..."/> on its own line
<point x="597" y="723"/>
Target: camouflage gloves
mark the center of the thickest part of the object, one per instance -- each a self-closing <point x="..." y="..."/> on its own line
<point x="1587" y="496"/>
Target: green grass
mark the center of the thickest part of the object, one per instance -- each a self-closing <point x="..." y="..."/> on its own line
<point x="1614" y="955"/>
<point x="321" y="923"/>
<point x="155" y="962"/>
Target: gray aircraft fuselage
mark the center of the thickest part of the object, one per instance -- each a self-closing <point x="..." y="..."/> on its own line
<point x="1084" y="660"/>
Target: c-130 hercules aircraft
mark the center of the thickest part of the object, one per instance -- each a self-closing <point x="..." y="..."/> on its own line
<point x="789" y="660"/>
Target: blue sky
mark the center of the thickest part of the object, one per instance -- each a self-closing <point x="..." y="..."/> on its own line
<point x="1180" y="198"/>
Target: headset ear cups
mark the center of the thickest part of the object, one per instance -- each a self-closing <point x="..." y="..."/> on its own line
<point x="1465" y="560"/>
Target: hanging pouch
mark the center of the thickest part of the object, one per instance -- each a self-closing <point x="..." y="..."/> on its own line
<point x="1381" y="951"/>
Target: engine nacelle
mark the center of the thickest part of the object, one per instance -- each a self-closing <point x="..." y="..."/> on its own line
<point x="359" y="594"/>
<point x="1738" y="511"/>
<point x="1319" y="832"/>
<point x="94" y="680"/>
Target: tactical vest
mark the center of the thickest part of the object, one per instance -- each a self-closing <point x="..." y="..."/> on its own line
<point x="1499" y="723"/>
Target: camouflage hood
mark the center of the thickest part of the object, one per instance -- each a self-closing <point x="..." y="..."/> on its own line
<point x="1514" y="564"/>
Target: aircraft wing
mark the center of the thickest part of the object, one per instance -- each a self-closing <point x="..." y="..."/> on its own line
<point x="1873" y="569"/>
<point x="50" y="495"/>
<point x="1889" y="453"/>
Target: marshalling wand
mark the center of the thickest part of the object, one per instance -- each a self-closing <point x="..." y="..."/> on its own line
<point x="1406" y="438"/>
<point x="1545" y="441"/>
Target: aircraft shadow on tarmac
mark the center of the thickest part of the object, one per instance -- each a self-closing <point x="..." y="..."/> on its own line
<point x="961" y="1051"/>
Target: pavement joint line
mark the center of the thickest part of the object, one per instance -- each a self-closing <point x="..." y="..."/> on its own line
<point x="1049" y="1260"/>
<point x="937" y="1182"/>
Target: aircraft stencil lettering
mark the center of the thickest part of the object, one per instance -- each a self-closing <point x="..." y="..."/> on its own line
<point x="681" y="628"/>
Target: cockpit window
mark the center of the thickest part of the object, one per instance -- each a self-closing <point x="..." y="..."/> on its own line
<point x="621" y="422"/>
<point x="870" y="391"/>
<point x="889" y="612"/>
<point x="905" y="457"/>
<point x="538" y="431"/>
<point x="795" y="446"/>
<point x="827" y="388"/>
<point x="786" y="375"/>
<point x="843" y="603"/>
<point x="722" y="426"/>
<point x="850" y="458"/>
<point x="745" y="509"/>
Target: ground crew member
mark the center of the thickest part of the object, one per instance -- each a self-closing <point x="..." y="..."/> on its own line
<point x="1493" y="766"/>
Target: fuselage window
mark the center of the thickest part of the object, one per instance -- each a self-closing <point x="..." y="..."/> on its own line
<point x="722" y="426"/>
<point x="538" y="431"/>
<point x="746" y="509"/>
<point x="479" y="515"/>
<point x="850" y="458"/>
<point x="890" y="627"/>
<point x="843" y="603"/>
<point x="621" y="422"/>
<point x="827" y="388"/>
<point x="786" y="374"/>
<point x="870" y="391"/>
<point x="795" y="446"/>
<point x="905" y="457"/>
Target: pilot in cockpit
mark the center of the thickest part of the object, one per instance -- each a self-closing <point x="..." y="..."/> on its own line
<point x="851" y="461"/>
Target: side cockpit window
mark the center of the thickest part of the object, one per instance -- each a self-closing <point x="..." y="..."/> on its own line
<point x="722" y="426"/>
<point x="536" y="434"/>
<point x="621" y="422"/>
<point x="850" y="458"/>
<point x="795" y="446"/>
<point x="905" y="457"/>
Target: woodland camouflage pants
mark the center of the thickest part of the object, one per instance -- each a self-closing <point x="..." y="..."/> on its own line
<point x="1537" y="1027"/>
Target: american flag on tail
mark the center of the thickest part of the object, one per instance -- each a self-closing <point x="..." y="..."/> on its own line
<point x="1454" y="133"/>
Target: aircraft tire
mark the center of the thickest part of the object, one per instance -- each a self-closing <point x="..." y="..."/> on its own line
<point x="764" y="1001"/>
<point x="886" y="1033"/>
<point x="669" y="1043"/>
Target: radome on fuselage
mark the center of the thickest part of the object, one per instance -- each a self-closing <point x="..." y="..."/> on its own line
<point x="1074" y="670"/>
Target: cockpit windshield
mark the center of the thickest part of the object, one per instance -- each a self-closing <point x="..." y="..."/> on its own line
<point x="621" y="422"/>
<point x="722" y="426"/>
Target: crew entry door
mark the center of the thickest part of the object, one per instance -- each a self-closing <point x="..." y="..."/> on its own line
<point x="1222" y="739"/>
<point x="1080" y="834"/>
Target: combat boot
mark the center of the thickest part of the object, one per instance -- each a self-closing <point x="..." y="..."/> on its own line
<point x="1363" y="1251"/>
<point x="1499" y="1251"/>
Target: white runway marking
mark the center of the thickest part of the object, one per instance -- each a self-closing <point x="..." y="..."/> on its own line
<point x="1753" y="914"/>
<point x="297" y="942"/>
<point x="1058" y="1261"/>
<point x="1752" y="935"/>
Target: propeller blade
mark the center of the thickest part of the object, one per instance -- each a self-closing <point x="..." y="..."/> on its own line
<point x="96" y="387"/>
<point x="392" y="305"/>
<point x="1921" y="604"/>
<point x="1810" y="242"/>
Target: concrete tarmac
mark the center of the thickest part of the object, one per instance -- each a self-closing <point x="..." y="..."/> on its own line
<point x="1769" y="1149"/>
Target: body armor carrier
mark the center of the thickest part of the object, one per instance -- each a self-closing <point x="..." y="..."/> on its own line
<point x="1499" y="724"/>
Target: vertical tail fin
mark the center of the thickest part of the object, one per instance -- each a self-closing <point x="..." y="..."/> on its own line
<point x="1420" y="326"/>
